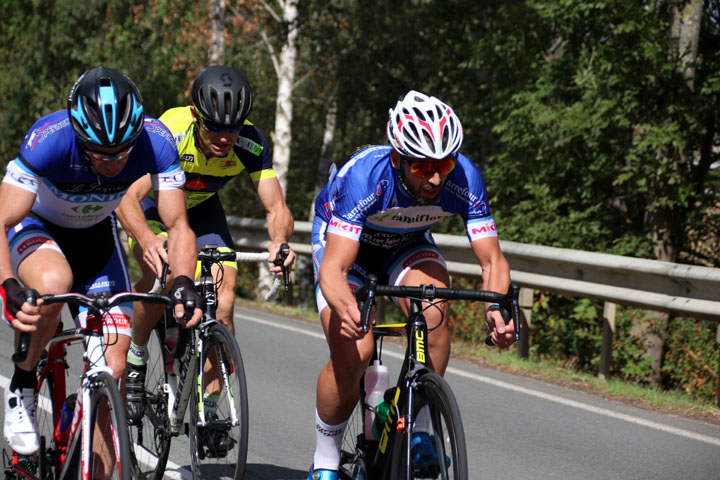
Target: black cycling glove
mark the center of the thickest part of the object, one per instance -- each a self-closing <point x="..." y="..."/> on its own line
<point x="184" y="293"/>
<point x="13" y="296"/>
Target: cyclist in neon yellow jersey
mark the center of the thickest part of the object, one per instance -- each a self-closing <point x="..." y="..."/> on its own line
<point x="215" y="143"/>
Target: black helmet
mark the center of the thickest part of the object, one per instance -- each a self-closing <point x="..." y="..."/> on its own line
<point x="222" y="95"/>
<point x="105" y="108"/>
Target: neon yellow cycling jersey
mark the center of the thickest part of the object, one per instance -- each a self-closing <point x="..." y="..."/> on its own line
<point x="206" y="176"/>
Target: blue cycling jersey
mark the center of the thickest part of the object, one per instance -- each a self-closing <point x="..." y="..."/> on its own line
<point x="68" y="192"/>
<point x="365" y="201"/>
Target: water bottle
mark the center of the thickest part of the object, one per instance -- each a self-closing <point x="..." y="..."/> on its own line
<point x="62" y="431"/>
<point x="171" y="338"/>
<point x="377" y="381"/>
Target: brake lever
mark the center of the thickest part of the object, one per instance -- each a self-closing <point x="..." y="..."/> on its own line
<point x="282" y="255"/>
<point x="23" y="347"/>
<point x="512" y="314"/>
<point x="366" y="296"/>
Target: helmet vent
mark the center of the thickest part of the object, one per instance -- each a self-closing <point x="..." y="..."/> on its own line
<point x="109" y="118"/>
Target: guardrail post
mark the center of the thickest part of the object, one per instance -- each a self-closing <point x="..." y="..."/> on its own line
<point x="607" y="339"/>
<point x="526" y="303"/>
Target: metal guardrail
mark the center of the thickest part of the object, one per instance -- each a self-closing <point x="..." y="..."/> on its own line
<point x="685" y="290"/>
<point x="649" y="284"/>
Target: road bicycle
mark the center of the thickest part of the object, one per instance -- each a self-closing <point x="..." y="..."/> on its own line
<point x="218" y="438"/>
<point x="418" y="391"/>
<point x="68" y="421"/>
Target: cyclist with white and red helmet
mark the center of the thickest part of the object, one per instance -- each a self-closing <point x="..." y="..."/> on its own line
<point x="374" y="216"/>
<point x="60" y="233"/>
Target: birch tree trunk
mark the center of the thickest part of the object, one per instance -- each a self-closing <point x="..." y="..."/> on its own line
<point x="305" y="277"/>
<point x="282" y="135"/>
<point x="217" y="32"/>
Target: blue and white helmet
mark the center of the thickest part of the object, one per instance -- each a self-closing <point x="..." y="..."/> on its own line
<point x="424" y="127"/>
<point x="106" y="108"/>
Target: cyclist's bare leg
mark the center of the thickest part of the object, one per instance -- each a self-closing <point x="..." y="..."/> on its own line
<point x="427" y="273"/>
<point x="226" y="295"/>
<point x="224" y="314"/>
<point x="48" y="272"/>
<point x="338" y="387"/>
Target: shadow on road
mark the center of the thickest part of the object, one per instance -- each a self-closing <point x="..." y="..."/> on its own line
<point x="262" y="471"/>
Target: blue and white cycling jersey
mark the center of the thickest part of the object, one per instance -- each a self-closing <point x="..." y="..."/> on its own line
<point x="365" y="201"/>
<point x="69" y="193"/>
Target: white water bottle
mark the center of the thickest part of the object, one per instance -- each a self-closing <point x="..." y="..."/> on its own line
<point x="377" y="380"/>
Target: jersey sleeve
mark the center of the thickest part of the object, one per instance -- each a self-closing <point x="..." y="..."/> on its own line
<point x="467" y="186"/>
<point x="19" y="175"/>
<point x="255" y="153"/>
<point x="357" y="191"/>
<point x="167" y="173"/>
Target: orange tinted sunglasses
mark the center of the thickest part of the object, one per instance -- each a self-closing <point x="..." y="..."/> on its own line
<point x="427" y="169"/>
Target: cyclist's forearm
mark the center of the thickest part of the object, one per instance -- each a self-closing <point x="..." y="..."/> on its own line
<point x="182" y="251"/>
<point x="337" y="293"/>
<point x="280" y="224"/>
<point x="132" y="219"/>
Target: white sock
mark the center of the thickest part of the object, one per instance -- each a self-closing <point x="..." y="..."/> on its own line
<point x="328" y="442"/>
<point x="137" y="354"/>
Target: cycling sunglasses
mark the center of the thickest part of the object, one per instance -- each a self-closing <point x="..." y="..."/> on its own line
<point x="426" y="169"/>
<point x="109" y="157"/>
<point x="216" y="129"/>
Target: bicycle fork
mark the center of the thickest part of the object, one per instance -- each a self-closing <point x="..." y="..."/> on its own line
<point x="225" y="373"/>
<point x="180" y="401"/>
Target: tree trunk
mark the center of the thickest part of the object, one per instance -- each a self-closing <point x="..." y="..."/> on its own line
<point x="282" y="136"/>
<point x="305" y="277"/>
<point x="685" y="28"/>
<point x="217" y="32"/>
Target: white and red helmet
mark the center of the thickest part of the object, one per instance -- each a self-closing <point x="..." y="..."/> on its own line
<point x="424" y="127"/>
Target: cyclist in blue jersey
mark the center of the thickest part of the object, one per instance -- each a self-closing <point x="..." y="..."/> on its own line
<point x="58" y="197"/>
<point x="374" y="216"/>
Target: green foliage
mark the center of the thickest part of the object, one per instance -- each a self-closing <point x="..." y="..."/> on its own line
<point x="690" y="364"/>
<point x="592" y="112"/>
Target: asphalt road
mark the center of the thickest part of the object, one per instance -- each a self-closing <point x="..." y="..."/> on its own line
<point x="515" y="427"/>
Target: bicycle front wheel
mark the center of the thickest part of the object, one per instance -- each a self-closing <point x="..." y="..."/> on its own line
<point x="219" y="447"/>
<point x="437" y="449"/>
<point x="109" y="449"/>
<point x="150" y="440"/>
<point x="49" y="451"/>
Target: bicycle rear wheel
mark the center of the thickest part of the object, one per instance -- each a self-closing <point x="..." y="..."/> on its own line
<point x="219" y="448"/>
<point x="108" y="417"/>
<point x="444" y="427"/>
<point x="150" y="440"/>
